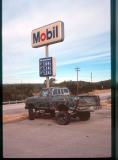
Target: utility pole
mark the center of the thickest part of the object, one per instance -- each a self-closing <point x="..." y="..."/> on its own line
<point x="91" y="77"/>
<point x="77" y="69"/>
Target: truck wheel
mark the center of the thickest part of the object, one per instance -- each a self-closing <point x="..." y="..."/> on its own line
<point x="31" y="114"/>
<point x="52" y="113"/>
<point x="62" y="118"/>
<point x="37" y="114"/>
<point x="84" y="116"/>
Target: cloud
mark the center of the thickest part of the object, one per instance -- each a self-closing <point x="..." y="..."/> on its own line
<point x="87" y="30"/>
<point x="85" y="58"/>
<point x="78" y="17"/>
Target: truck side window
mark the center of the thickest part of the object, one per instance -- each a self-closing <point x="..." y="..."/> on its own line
<point x="66" y="90"/>
<point x="62" y="92"/>
<point x="59" y="91"/>
<point x="55" y="92"/>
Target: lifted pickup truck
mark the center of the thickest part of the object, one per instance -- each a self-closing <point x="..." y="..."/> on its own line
<point x="58" y="102"/>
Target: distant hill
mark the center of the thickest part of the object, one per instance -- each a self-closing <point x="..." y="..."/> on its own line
<point x="22" y="91"/>
<point x="84" y="87"/>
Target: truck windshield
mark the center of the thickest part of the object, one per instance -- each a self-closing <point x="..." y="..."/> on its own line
<point x="55" y="92"/>
<point x="44" y="93"/>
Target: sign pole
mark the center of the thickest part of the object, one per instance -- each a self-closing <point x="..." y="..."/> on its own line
<point x="47" y="54"/>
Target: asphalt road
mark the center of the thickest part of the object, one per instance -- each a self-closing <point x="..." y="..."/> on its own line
<point x="14" y="108"/>
<point x="44" y="138"/>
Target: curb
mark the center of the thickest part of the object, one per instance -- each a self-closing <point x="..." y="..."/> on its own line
<point x="14" y="117"/>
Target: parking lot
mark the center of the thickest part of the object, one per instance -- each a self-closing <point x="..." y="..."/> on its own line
<point x="44" y="138"/>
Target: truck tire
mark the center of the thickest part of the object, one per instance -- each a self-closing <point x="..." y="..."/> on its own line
<point x="31" y="114"/>
<point x="62" y="117"/>
<point x="52" y="113"/>
<point x="84" y="116"/>
<point x="37" y="114"/>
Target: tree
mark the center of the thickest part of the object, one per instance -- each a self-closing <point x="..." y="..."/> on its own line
<point x="52" y="82"/>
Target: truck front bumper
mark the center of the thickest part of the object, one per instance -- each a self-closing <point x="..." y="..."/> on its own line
<point x="83" y="109"/>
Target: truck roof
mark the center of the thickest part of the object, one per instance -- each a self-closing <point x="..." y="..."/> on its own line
<point x="56" y="88"/>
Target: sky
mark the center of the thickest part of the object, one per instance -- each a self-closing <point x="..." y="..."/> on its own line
<point x="86" y="44"/>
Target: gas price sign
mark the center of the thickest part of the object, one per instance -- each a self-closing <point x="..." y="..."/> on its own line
<point x="47" y="67"/>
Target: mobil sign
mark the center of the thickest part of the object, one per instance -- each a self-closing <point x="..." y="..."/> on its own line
<point x="48" y="34"/>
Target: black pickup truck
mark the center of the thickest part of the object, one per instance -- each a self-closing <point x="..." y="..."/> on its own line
<point x="58" y="102"/>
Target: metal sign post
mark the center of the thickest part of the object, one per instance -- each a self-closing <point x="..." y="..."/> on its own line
<point x="47" y="78"/>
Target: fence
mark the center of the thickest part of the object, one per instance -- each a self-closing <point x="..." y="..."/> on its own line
<point x="13" y="102"/>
